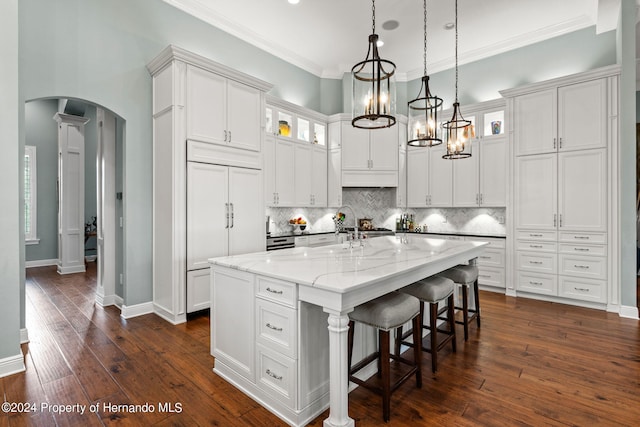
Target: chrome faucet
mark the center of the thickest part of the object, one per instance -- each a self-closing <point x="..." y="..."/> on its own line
<point x="355" y="221"/>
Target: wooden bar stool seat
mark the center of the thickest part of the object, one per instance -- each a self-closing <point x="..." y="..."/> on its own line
<point x="432" y="290"/>
<point x="386" y="313"/>
<point x="467" y="276"/>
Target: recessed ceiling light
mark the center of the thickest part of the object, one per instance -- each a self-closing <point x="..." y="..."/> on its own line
<point x="294" y="1"/>
<point x="391" y="24"/>
<point x="449" y="26"/>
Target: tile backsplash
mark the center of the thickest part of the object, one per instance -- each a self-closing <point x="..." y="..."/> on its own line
<point x="379" y="205"/>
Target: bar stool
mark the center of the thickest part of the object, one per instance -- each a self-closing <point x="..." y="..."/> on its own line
<point x="467" y="276"/>
<point x="432" y="290"/>
<point x="386" y="313"/>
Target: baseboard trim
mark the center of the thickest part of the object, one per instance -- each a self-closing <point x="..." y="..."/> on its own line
<point x="73" y="269"/>
<point x="40" y="263"/>
<point x="127" y="312"/>
<point x="118" y="301"/>
<point x="12" y="365"/>
<point x="24" y="336"/>
<point x="629" y="312"/>
<point x="107" y="300"/>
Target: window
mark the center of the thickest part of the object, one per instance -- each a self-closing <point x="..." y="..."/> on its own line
<point x="30" y="195"/>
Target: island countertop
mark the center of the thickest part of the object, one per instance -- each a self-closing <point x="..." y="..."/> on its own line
<point x="341" y="269"/>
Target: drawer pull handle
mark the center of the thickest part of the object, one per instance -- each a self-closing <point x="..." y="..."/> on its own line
<point x="582" y="289"/>
<point x="535" y="262"/>
<point x="535" y="235"/>
<point x="274" y="376"/>
<point x="275" y="328"/>
<point x="535" y="283"/>
<point x="485" y="276"/>
<point x="275" y="291"/>
<point x="581" y="249"/>
<point x="536" y="246"/>
<point x="580" y="266"/>
<point x="484" y="257"/>
<point x="582" y="237"/>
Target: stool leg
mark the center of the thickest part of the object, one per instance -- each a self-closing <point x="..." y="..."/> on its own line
<point x="383" y="359"/>
<point x="476" y="294"/>
<point x="417" y="349"/>
<point x="465" y="310"/>
<point x="452" y="321"/>
<point x="398" y="342"/>
<point x="433" y="327"/>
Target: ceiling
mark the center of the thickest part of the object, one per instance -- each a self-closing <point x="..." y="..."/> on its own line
<point x="327" y="37"/>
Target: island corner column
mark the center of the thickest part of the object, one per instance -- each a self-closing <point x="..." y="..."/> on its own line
<point x="338" y="370"/>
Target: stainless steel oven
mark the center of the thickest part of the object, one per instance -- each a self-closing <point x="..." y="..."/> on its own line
<point x="274" y="243"/>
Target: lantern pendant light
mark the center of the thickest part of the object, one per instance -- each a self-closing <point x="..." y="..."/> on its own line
<point x="422" y="128"/>
<point x="374" y="87"/>
<point x="459" y="131"/>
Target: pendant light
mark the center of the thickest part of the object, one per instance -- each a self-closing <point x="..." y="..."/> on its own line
<point x="374" y="87"/>
<point x="422" y="128"/>
<point x="459" y="131"/>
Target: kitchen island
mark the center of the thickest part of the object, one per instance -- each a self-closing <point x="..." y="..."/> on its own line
<point x="279" y="319"/>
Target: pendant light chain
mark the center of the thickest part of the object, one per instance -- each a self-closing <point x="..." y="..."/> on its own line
<point x="425" y="38"/>
<point x="373" y="20"/>
<point x="456" y="25"/>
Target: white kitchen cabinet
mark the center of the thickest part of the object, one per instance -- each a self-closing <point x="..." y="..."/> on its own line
<point x="563" y="118"/>
<point x="319" y="176"/>
<point x="334" y="164"/>
<point x="310" y="175"/>
<point x="564" y="133"/>
<point x="401" y="191"/>
<point x="195" y="100"/>
<point x="222" y="111"/>
<point x="429" y="177"/>
<point x="369" y="157"/>
<point x="279" y="173"/>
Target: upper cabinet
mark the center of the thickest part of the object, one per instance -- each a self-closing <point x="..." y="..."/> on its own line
<point x="564" y="118"/>
<point x="222" y="111"/>
<point x="295" y="156"/>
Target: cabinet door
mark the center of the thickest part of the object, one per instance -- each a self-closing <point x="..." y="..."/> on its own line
<point x="440" y="178"/>
<point x="466" y="191"/>
<point x="302" y="174"/>
<point x="536" y="191"/>
<point x="246" y="228"/>
<point x="582" y="115"/>
<point x="206" y="106"/>
<point x="269" y="170"/>
<point x="417" y="177"/>
<point x="355" y="147"/>
<point x="334" y="178"/>
<point x="335" y="134"/>
<point x="244" y="111"/>
<point x="383" y="148"/>
<point x="319" y="176"/>
<point x="535" y="122"/>
<point x="207" y="208"/>
<point x="582" y="196"/>
<point x="284" y="172"/>
<point x="493" y="173"/>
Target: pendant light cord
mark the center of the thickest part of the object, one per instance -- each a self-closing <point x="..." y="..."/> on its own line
<point x="456" y="25"/>
<point x="425" y="38"/>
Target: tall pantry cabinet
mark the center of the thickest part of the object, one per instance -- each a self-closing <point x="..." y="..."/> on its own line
<point x="565" y="139"/>
<point x="207" y="161"/>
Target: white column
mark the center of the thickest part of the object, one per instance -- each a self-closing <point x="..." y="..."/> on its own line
<point x="338" y="371"/>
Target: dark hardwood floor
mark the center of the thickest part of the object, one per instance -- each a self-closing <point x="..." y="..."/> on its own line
<point x="532" y="363"/>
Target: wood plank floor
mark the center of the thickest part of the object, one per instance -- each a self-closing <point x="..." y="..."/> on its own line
<point x="532" y="363"/>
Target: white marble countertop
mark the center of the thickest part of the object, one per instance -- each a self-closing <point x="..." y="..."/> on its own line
<point x="337" y="268"/>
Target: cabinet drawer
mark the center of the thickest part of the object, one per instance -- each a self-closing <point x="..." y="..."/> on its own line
<point x="566" y="248"/>
<point x="536" y="235"/>
<point x="277" y="290"/>
<point x="322" y="239"/>
<point x="524" y="245"/>
<point x="538" y="283"/>
<point x="198" y="290"/>
<point x="276" y="327"/>
<point x="583" y="289"/>
<point x="597" y="238"/>
<point x="492" y="257"/>
<point x="491" y="277"/>
<point x="493" y="242"/>
<point x="537" y="261"/>
<point x="584" y="266"/>
<point x="277" y="376"/>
